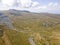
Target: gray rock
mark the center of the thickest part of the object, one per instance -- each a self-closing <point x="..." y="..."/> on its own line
<point x="6" y="21"/>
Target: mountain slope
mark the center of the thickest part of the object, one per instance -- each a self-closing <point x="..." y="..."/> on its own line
<point x="43" y="28"/>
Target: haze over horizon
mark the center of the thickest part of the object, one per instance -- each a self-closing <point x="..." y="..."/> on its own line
<point x="50" y="6"/>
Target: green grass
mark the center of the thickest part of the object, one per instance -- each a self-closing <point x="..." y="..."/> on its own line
<point x="31" y="26"/>
<point x="2" y="41"/>
<point x="18" y="38"/>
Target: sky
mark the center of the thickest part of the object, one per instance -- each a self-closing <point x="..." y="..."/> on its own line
<point x="50" y="6"/>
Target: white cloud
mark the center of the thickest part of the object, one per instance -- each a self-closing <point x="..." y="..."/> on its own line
<point x="50" y="4"/>
<point x="3" y="7"/>
<point x="8" y="2"/>
<point x="34" y="4"/>
<point x="25" y="3"/>
<point x="30" y="5"/>
<point x="53" y="6"/>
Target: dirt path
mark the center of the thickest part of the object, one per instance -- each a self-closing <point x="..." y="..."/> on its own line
<point x="6" y="39"/>
<point x="31" y="41"/>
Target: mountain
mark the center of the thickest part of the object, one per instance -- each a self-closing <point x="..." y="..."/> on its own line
<point x="17" y="12"/>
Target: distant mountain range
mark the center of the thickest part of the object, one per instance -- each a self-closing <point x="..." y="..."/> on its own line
<point x="14" y="10"/>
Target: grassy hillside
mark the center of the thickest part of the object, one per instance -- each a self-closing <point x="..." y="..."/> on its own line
<point x="44" y="29"/>
<point x="2" y="42"/>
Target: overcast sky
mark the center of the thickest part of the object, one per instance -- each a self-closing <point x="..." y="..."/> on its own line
<point x="50" y="6"/>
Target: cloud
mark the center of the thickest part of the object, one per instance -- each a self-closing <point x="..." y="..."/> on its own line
<point x="25" y="3"/>
<point x="8" y="2"/>
<point x="3" y="7"/>
<point x="34" y="4"/>
<point x="30" y="5"/>
<point x="5" y="4"/>
<point x="53" y="6"/>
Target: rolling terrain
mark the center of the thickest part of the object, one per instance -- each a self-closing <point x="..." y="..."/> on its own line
<point x="32" y="28"/>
